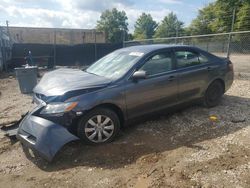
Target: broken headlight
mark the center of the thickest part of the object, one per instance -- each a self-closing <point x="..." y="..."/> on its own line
<point x="58" y="107"/>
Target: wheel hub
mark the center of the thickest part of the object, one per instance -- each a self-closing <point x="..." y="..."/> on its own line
<point x="99" y="128"/>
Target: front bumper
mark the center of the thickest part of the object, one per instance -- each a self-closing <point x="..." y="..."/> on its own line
<point x="43" y="136"/>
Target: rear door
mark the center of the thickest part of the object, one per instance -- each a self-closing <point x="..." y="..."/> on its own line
<point x="193" y="73"/>
<point x="155" y="92"/>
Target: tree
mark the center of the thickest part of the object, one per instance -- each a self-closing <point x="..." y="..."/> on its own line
<point x="218" y="16"/>
<point x="243" y="18"/>
<point x="202" y="24"/>
<point x="169" y="27"/>
<point x="223" y="11"/>
<point x="114" y="24"/>
<point x="144" y="27"/>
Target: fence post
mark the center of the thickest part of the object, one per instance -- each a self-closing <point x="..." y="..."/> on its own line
<point x="54" y="63"/>
<point x="230" y="34"/>
<point x="229" y="45"/>
<point x="207" y="45"/>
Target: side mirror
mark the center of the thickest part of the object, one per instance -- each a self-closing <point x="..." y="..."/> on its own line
<point x="139" y="75"/>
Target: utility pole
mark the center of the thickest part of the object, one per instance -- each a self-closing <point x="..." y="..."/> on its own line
<point x="95" y="47"/>
<point x="4" y="47"/>
<point x="230" y="34"/>
<point x="177" y="33"/>
<point x="123" y="37"/>
<point x="8" y="29"/>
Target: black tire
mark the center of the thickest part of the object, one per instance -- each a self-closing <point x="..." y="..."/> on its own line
<point x="92" y="115"/>
<point x="213" y="94"/>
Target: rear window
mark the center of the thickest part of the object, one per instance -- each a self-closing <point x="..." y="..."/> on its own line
<point x="186" y="58"/>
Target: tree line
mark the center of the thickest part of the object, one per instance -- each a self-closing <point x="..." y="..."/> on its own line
<point x="217" y="17"/>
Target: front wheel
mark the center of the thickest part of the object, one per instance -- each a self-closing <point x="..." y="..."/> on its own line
<point x="98" y="126"/>
<point x="213" y="94"/>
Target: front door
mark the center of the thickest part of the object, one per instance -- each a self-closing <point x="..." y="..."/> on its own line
<point x="157" y="90"/>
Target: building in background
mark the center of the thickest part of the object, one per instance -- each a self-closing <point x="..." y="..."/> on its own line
<point x="56" y="35"/>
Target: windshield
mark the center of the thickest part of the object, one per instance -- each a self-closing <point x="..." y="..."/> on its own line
<point x="115" y="65"/>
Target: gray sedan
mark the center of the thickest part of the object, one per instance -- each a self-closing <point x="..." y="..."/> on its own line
<point x="93" y="104"/>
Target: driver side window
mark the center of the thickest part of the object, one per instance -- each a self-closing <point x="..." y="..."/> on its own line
<point x="158" y="63"/>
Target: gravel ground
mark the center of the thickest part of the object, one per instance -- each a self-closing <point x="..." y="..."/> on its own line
<point x="181" y="149"/>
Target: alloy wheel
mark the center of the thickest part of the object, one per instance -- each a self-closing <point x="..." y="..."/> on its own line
<point x="99" y="128"/>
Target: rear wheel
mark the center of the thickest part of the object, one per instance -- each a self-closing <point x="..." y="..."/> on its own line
<point x="213" y="94"/>
<point x="98" y="126"/>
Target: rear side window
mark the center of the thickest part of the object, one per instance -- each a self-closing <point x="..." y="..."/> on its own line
<point x="185" y="58"/>
<point x="158" y="63"/>
<point x="203" y="59"/>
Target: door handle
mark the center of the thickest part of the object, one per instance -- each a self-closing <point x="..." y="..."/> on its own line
<point x="171" y="78"/>
<point x="209" y="68"/>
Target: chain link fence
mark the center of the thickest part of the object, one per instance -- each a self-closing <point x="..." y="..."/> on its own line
<point x="234" y="45"/>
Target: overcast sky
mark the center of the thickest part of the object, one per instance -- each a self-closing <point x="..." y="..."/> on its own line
<point x="85" y="13"/>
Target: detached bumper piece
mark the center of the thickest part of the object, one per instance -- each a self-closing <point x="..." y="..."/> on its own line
<point x="43" y="136"/>
<point x="11" y="130"/>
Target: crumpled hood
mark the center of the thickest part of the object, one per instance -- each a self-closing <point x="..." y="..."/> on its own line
<point x="63" y="80"/>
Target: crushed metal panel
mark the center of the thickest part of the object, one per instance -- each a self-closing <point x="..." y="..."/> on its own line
<point x="44" y="136"/>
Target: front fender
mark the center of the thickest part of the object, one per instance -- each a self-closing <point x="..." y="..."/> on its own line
<point x="112" y="95"/>
<point x="44" y="136"/>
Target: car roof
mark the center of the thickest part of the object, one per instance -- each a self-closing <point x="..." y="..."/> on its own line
<point x="152" y="47"/>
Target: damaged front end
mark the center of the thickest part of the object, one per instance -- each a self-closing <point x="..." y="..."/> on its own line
<point x="52" y="123"/>
<point x="46" y="128"/>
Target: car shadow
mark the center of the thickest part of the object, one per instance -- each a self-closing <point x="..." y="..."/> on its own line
<point x="165" y="131"/>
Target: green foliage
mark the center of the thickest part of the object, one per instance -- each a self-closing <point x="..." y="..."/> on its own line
<point x="217" y="17"/>
<point x="214" y="18"/>
<point x="203" y="23"/>
<point x="130" y="36"/>
<point x="169" y="27"/>
<point x="223" y="11"/>
<point x="114" y="24"/>
<point x="243" y="18"/>
<point x="144" y="27"/>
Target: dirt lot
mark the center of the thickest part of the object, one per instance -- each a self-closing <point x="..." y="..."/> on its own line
<point x="182" y="149"/>
<point x="241" y="63"/>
